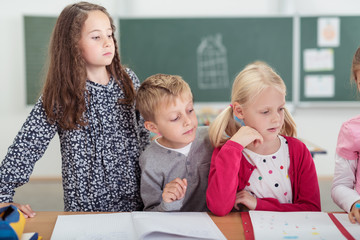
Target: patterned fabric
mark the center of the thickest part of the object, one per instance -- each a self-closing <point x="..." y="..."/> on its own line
<point x="270" y="178"/>
<point x="100" y="168"/>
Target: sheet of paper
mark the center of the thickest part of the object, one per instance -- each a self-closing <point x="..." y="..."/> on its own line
<point x="329" y="32"/>
<point x="136" y="225"/>
<point x="318" y="59"/>
<point x="196" y="225"/>
<point x="293" y="225"/>
<point x="319" y="86"/>
<point x="110" y="226"/>
<point x="353" y="229"/>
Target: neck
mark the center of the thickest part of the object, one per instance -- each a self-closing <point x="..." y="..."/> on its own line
<point x="100" y="76"/>
<point x="266" y="148"/>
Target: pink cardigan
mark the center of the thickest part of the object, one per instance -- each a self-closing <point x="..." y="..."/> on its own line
<point x="230" y="171"/>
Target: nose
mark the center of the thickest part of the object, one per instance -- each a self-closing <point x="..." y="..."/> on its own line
<point x="187" y="120"/>
<point x="276" y="117"/>
<point x="107" y="42"/>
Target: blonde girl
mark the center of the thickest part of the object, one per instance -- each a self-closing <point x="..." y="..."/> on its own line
<point x="346" y="184"/>
<point x="88" y="99"/>
<point x="260" y="165"/>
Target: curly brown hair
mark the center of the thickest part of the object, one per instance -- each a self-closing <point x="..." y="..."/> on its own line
<point x="65" y="84"/>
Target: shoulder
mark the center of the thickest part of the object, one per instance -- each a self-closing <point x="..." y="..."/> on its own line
<point x="202" y="132"/>
<point x="133" y="77"/>
<point x="152" y="153"/>
<point x="351" y="126"/>
<point x="202" y="135"/>
<point x="348" y="142"/>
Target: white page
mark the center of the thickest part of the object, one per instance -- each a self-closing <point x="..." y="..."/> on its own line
<point x="175" y="225"/>
<point x="136" y="225"/>
<point x="112" y="226"/>
<point x="353" y="229"/>
<point x="293" y="225"/>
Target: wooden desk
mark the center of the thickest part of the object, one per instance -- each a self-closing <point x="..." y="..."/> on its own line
<point x="44" y="223"/>
<point x="314" y="149"/>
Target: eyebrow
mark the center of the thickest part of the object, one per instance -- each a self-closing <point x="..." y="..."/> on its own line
<point x="98" y="30"/>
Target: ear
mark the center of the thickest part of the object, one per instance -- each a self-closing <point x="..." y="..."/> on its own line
<point x="152" y="127"/>
<point x="238" y="110"/>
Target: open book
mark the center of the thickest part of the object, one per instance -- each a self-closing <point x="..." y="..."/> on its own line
<point x="298" y="225"/>
<point x="136" y="225"/>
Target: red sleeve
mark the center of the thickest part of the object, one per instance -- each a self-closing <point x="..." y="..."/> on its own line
<point x="223" y="178"/>
<point x="304" y="182"/>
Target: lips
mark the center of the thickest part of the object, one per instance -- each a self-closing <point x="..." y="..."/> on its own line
<point x="189" y="132"/>
<point x="273" y="129"/>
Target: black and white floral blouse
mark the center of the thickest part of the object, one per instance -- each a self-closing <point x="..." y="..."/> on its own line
<point x="100" y="168"/>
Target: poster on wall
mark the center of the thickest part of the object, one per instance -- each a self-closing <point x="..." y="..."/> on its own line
<point x="318" y="59"/>
<point x="328" y="32"/>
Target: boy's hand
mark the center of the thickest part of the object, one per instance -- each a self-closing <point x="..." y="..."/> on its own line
<point x="246" y="199"/>
<point x="25" y="209"/>
<point x="247" y="135"/>
<point x="354" y="214"/>
<point x="174" y="190"/>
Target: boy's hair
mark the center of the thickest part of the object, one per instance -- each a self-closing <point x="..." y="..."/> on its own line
<point x="248" y="84"/>
<point x="157" y="89"/>
<point x="355" y="66"/>
<point x="65" y="85"/>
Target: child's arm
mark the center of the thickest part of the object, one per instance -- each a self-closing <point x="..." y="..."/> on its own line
<point x="28" y="147"/>
<point x="342" y="191"/>
<point x="223" y="178"/>
<point x="153" y="187"/>
<point x="224" y="171"/>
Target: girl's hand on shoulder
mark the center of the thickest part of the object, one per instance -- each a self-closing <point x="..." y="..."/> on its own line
<point x="174" y="190"/>
<point x="245" y="198"/>
<point x="25" y="209"/>
<point x="247" y="135"/>
<point x="354" y="214"/>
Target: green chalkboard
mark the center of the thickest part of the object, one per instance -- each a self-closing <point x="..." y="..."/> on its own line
<point x="37" y="37"/>
<point x="342" y="58"/>
<point x="207" y="52"/>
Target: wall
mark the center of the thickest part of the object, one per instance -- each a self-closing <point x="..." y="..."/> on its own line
<point x="319" y="125"/>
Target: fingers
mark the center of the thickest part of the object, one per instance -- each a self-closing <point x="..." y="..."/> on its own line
<point x="247" y="135"/>
<point x="354" y="214"/>
<point x="174" y="190"/>
<point x="246" y="199"/>
<point x="25" y="209"/>
<point x="351" y="217"/>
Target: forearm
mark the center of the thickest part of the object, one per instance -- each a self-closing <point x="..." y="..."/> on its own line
<point x="342" y="191"/>
<point x="223" y="178"/>
<point x="272" y="204"/>
<point x="162" y="206"/>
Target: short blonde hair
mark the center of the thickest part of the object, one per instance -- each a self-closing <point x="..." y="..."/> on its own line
<point x="157" y="89"/>
<point x="248" y="84"/>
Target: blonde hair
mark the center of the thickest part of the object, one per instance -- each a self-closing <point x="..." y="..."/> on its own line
<point x="355" y="66"/>
<point x="248" y="84"/>
<point x="156" y="89"/>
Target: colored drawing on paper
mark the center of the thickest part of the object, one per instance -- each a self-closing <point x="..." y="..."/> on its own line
<point x="293" y="225"/>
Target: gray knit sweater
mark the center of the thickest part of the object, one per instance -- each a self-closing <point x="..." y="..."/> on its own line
<point x="160" y="166"/>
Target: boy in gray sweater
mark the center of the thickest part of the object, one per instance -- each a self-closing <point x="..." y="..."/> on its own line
<point x="175" y="166"/>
